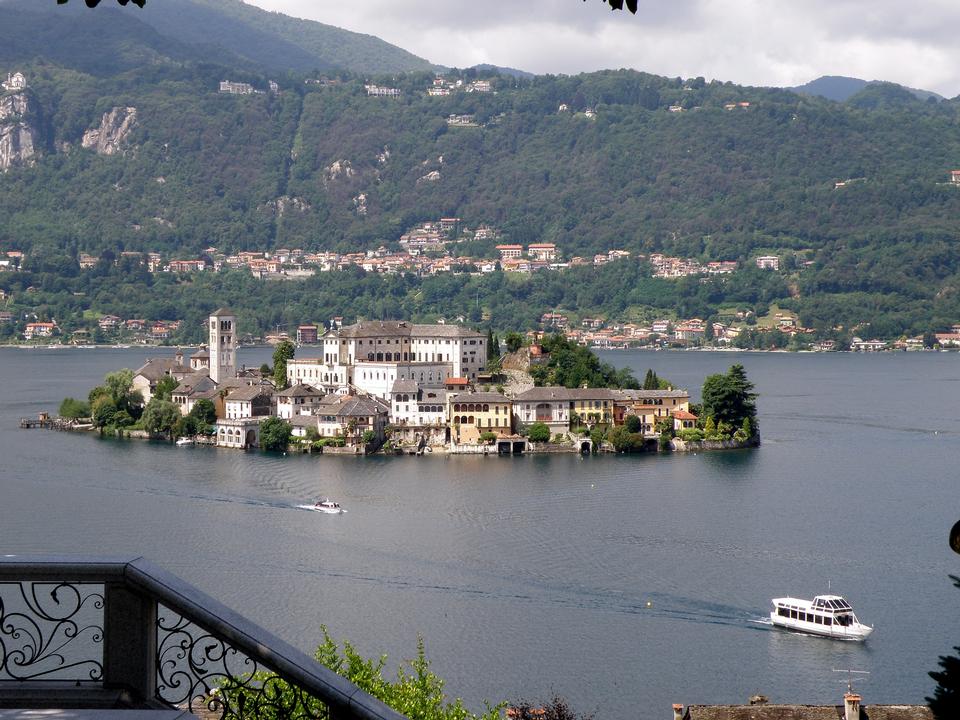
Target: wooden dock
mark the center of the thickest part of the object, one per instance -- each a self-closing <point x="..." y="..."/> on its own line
<point x="39" y="422"/>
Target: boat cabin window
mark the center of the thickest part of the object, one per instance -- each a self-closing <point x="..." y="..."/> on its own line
<point x="783" y="612"/>
<point x="793" y="614"/>
<point x="843" y="620"/>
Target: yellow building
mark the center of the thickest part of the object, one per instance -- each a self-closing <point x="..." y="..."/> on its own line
<point x="651" y="406"/>
<point x="472" y="414"/>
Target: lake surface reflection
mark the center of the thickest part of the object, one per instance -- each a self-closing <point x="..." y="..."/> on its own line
<point x="622" y="583"/>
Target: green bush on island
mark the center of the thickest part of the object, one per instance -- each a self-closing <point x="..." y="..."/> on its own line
<point x="275" y="434"/>
<point x="416" y="693"/>
<point x="625" y="441"/>
<point x="331" y="442"/>
<point x="165" y="387"/>
<point x="73" y="408"/>
<point x="160" y="416"/>
<point x="572" y="365"/>
<point x="284" y="351"/>
<point x="488" y="437"/>
<point x="204" y="411"/>
<point x="729" y="398"/>
<point x="368" y="437"/>
<point x="633" y="424"/>
<point x="538" y="432"/>
<point x="691" y="435"/>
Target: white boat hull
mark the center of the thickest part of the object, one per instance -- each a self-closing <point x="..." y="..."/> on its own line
<point x="856" y="631"/>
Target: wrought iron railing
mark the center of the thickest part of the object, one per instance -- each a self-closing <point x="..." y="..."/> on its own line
<point x="126" y="632"/>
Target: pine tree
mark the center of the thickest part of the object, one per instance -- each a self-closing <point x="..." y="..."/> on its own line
<point x="945" y="702"/>
<point x="651" y="381"/>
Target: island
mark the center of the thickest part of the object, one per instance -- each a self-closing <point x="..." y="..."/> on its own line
<point x="396" y="387"/>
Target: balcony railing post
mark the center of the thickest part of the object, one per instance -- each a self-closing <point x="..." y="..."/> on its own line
<point x="130" y="642"/>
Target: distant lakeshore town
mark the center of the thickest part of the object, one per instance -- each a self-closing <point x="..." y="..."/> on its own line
<point x="404" y="388"/>
<point x="427" y="250"/>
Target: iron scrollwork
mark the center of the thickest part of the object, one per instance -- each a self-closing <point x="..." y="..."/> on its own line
<point x="51" y="631"/>
<point x="199" y="671"/>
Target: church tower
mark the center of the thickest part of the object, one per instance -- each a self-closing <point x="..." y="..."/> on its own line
<point x="223" y="345"/>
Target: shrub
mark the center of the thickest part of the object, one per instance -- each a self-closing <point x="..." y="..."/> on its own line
<point x="538" y="432"/>
<point x="488" y="437"/>
<point x="633" y="424"/>
<point x="72" y="408"/>
<point x="691" y="435"/>
<point x="417" y="692"/>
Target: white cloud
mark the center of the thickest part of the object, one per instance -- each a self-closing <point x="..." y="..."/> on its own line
<point x="758" y="42"/>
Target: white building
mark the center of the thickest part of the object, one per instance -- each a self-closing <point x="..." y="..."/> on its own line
<point x="768" y="262"/>
<point x="250" y="401"/>
<point x="299" y="399"/>
<point x="15" y="82"/>
<point x="547" y="405"/>
<point x="236" y="88"/>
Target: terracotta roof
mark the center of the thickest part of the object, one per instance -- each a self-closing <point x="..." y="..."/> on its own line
<point x="380" y="328"/>
<point x="402" y="385"/>
<point x="299" y="390"/>
<point x="481" y="397"/>
<point x="248" y="392"/>
<point x="804" y="712"/>
<point x="648" y="394"/>
<point x="683" y="415"/>
<point x="157" y="368"/>
<point x="444" y="331"/>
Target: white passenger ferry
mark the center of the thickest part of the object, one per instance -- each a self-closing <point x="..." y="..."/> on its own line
<point x="828" y="615"/>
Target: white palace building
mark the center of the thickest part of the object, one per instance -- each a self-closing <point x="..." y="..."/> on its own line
<point x="372" y="356"/>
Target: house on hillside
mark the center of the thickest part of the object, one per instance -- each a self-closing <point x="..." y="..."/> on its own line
<point x="15" y="82"/>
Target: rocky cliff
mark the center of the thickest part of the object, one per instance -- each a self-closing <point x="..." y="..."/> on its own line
<point x="18" y="138"/>
<point x="115" y="127"/>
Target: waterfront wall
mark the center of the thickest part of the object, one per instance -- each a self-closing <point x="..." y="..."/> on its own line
<point x="678" y="445"/>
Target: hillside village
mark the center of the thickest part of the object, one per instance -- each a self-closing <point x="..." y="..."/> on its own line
<point x="422" y="387"/>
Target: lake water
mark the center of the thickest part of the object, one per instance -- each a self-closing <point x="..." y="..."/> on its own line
<point x="624" y="584"/>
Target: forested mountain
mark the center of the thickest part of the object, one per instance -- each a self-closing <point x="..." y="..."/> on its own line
<point x="841" y="89"/>
<point x="212" y="30"/>
<point x="134" y="148"/>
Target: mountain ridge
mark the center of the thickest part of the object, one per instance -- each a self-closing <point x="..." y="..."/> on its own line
<point x="841" y="88"/>
<point x="219" y="29"/>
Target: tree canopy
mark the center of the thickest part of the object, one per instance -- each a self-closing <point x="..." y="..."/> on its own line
<point x="729" y="398"/>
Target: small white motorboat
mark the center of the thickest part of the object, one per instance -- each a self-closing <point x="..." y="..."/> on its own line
<point x="184" y="441"/>
<point x="328" y="506"/>
<point x="827" y="615"/>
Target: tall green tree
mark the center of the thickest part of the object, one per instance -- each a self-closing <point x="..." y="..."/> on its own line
<point x="651" y="381"/>
<point x="165" y="387"/>
<point x="275" y="434"/>
<point x="514" y="341"/>
<point x="159" y="416"/>
<point x="284" y="351"/>
<point x="945" y="703"/>
<point x="204" y="411"/>
<point x="729" y="397"/>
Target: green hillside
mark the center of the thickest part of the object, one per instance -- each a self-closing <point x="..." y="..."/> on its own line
<point x="214" y="30"/>
<point x="855" y="198"/>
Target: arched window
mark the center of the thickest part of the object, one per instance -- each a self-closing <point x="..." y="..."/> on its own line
<point x="470" y="420"/>
<point x="486" y="408"/>
<point x="456" y="407"/>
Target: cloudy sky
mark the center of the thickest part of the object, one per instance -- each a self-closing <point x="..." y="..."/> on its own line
<point x="757" y="42"/>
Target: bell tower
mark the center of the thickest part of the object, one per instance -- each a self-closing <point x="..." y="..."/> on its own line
<point x="223" y="345"/>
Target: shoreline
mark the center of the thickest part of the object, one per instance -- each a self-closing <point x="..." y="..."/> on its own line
<point x="125" y="346"/>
